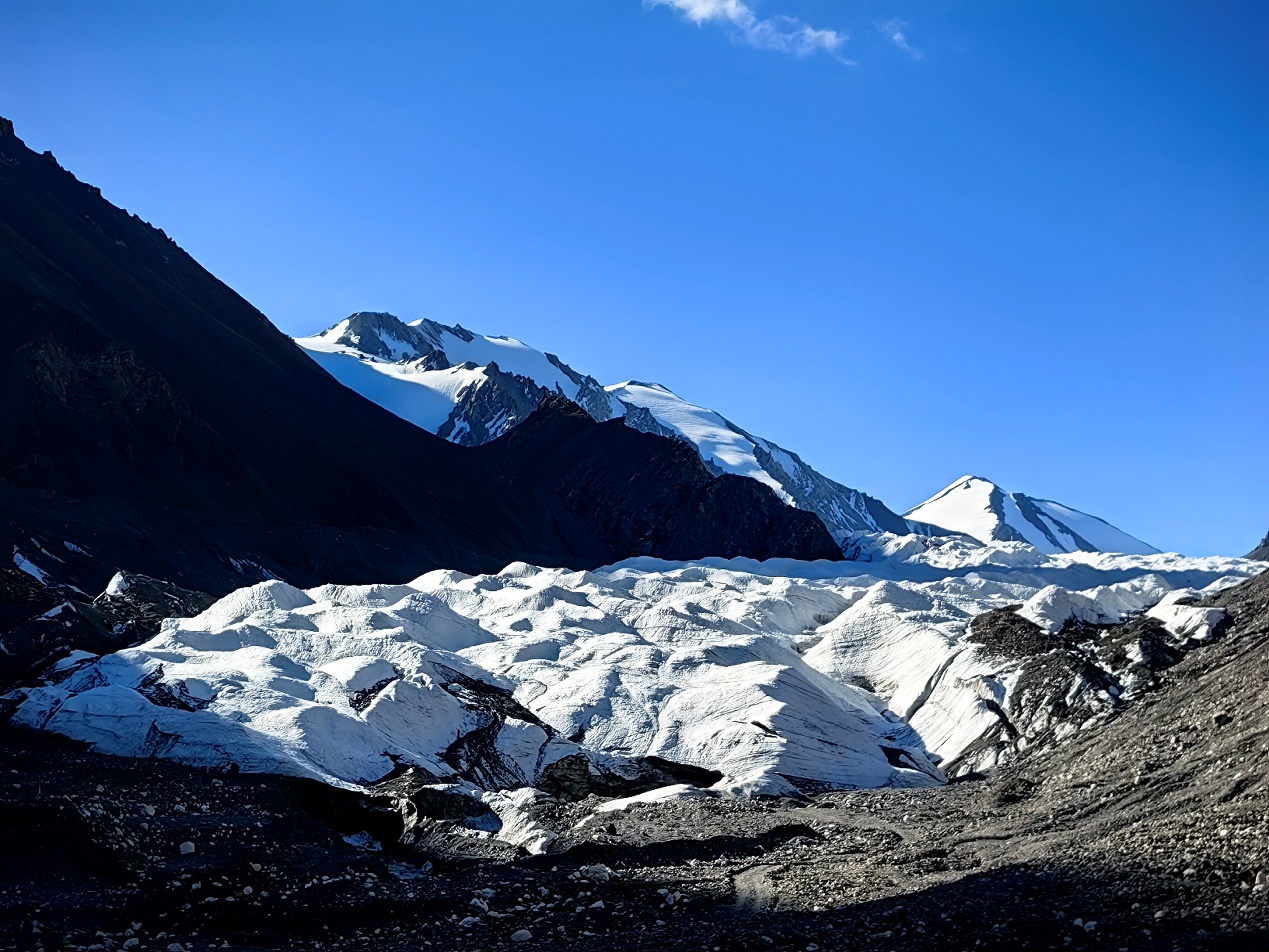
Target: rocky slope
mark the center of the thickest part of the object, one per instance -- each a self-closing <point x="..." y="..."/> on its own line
<point x="979" y="508"/>
<point x="1261" y="552"/>
<point x="41" y="623"/>
<point x="471" y="389"/>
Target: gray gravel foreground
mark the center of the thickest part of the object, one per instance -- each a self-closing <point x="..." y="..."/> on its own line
<point x="1148" y="831"/>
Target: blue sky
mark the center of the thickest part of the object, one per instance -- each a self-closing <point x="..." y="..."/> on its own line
<point x="907" y="240"/>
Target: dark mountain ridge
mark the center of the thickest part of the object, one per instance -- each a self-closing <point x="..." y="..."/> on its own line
<point x="155" y="421"/>
<point x="1261" y="551"/>
<point x="669" y="504"/>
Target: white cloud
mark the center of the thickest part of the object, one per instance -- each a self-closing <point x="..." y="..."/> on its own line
<point x="783" y="33"/>
<point x="893" y="30"/>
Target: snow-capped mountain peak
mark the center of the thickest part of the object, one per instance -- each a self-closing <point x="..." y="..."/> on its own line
<point x="977" y="507"/>
<point x="470" y="388"/>
<point x="381" y="335"/>
<point x="463" y="386"/>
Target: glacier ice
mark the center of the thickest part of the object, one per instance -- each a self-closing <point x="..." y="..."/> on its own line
<point x="779" y="676"/>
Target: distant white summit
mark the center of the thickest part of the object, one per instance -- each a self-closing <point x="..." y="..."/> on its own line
<point x="471" y="389"/>
<point x="977" y="507"/>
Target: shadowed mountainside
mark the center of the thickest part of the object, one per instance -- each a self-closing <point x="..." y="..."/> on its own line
<point x="155" y="421"/>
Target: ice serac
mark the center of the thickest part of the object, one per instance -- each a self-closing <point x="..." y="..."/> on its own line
<point x="471" y="389"/>
<point x="978" y="508"/>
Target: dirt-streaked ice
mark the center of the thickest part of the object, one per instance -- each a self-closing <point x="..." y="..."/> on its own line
<point x="781" y="675"/>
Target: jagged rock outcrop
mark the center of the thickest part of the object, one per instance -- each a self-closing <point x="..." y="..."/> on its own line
<point x="375" y="333"/>
<point x="1261" y="551"/>
<point x="41" y="623"/>
<point x="1083" y="673"/>
<point x="487" y="410"/>
<point x="590" y="396"/>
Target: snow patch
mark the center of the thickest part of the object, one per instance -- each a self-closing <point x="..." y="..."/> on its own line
<point x="30" y="568"/>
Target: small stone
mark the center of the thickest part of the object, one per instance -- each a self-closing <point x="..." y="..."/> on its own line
<point x="521" y="935"/>
<point x="186" y="848"/>
<point x="131" y="943"/>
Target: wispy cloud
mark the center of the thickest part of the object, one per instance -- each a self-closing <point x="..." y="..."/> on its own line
<point x="893" y="30"/>
<point x="783" y="33"/>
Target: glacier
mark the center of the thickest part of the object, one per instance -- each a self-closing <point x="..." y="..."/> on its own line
<point x="774" y="677"/>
